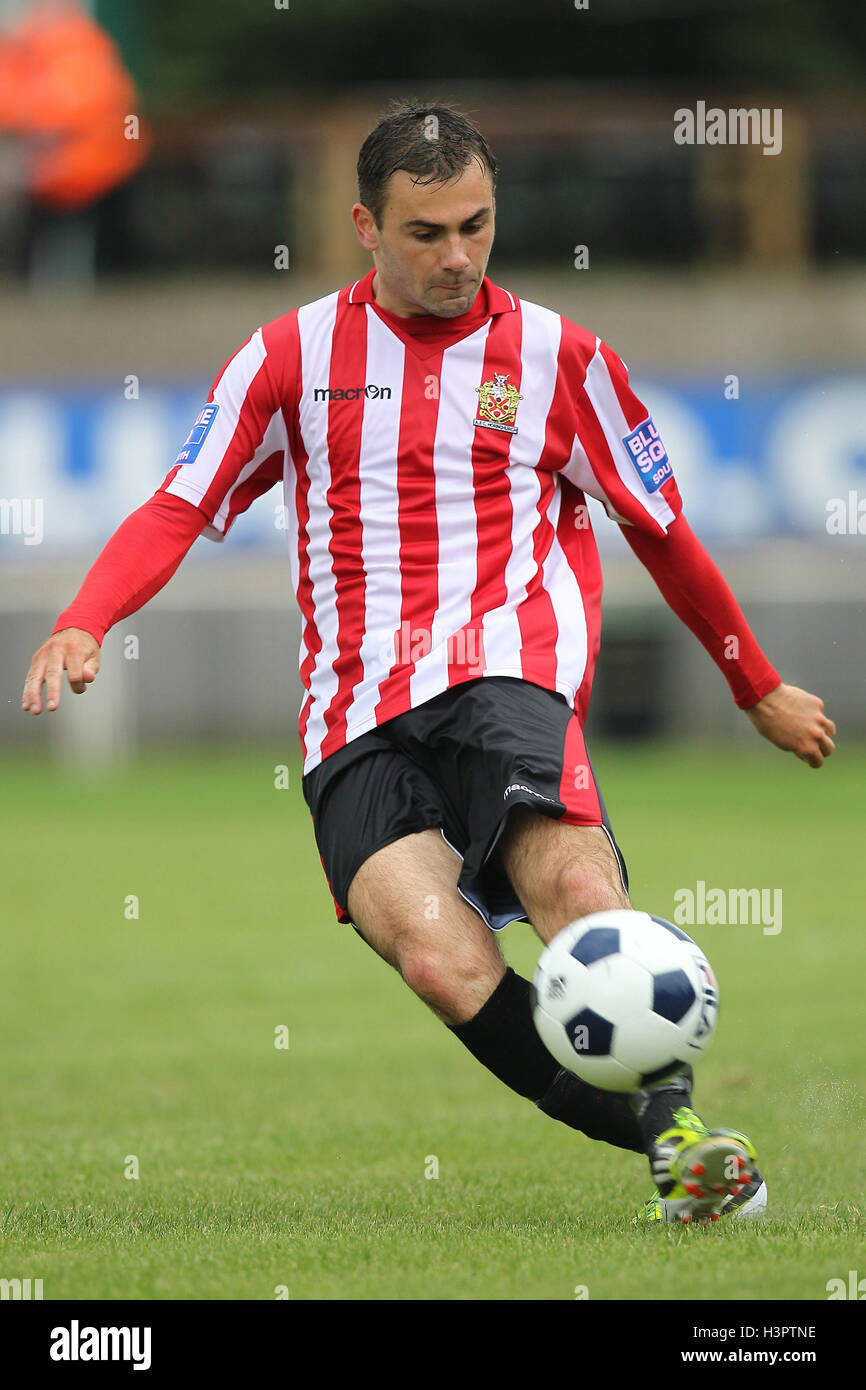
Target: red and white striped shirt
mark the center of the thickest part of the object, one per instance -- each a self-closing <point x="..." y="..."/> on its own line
<point x="434" y="496"/>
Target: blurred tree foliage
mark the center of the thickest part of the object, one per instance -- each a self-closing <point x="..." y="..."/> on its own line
<point x="201" y="53"/>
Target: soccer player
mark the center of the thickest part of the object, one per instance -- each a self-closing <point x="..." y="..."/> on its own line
<point x="436" y="438"/>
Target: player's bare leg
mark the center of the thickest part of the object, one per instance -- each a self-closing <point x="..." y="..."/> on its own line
<point x="451" y="959"/>
<point x="405" y="903"/>
<point x="560" y="872"/>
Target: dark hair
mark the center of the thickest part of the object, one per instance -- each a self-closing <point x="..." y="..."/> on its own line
<point x="434" y="143"/>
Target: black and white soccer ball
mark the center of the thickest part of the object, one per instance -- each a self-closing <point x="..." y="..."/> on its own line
<point x="623" y="999"/>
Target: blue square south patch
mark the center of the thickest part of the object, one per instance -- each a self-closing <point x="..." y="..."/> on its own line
<point x="648" y="454"/>
<point x="198" y="434"/>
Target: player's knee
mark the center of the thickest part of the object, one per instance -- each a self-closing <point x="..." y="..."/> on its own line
<point x="453" y="983"/>
<point x="584" y="885"/>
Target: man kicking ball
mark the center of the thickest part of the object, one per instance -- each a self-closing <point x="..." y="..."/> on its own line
<point x="437" y="438"/>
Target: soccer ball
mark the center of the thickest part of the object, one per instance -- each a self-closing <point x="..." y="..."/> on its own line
<point x="623" y="998"/>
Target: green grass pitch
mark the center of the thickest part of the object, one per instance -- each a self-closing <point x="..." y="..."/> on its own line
<point x="264" y="1169"/>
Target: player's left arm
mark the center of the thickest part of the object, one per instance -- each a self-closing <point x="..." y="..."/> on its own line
<point x="618" y="457"/>
<point x="795" y="720"/>
<point x="694" y="587"/>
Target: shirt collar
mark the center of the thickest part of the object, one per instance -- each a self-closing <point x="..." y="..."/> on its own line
<point x="499" y="301"/>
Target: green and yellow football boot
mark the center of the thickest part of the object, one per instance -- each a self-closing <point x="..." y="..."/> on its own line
<point x="703" y="1174"/>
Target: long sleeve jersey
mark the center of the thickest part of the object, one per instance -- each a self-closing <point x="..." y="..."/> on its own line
<point x="435" y="475"/>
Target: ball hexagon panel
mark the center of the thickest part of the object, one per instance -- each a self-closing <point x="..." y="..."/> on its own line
<point x="595" y="944"/>
<point x="617" y="988"/>
<point x="589" y="1033"/>
<point x="649" y="945"/>
<point x="647" y="1041"/>
<point x="673" y="995"/>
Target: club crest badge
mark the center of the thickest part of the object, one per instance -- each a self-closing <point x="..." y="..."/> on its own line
<point x="497" y="403"/>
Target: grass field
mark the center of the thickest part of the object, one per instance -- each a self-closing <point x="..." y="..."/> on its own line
<point x="305" y="1167"/>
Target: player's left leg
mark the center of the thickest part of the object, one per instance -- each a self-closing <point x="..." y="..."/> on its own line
<point x="561" y="872"/>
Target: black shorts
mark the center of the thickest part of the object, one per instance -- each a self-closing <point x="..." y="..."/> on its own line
<point x="458" y="763"/>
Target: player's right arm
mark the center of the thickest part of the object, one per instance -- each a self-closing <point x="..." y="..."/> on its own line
<point x="235" y="451"/>
<point x="74" y="651"/>
<point x="137" y="562"/>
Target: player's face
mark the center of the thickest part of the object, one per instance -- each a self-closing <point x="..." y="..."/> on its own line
<point x="432" y="249"/>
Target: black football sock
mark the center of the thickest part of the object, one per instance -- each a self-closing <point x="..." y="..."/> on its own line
<point x="502" y="1036"/>
<point x="655" y="1108"/>
<point x="655" y="1113"/>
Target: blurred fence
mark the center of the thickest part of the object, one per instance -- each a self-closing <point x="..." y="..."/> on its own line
<point x="580" y="164"/>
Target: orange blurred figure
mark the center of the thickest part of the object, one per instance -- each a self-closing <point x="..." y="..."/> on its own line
<point x="64" y="88"/>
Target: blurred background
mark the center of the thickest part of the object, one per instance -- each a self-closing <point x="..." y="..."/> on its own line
<point x="174" y="175"/>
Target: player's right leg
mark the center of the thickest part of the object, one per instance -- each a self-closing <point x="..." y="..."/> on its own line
<point x="377" y="817"/>
<point x="404" y="902"/>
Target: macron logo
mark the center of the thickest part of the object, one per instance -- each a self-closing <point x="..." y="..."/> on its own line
<point x="522" y="787"/>
<point x="352" y="393"/>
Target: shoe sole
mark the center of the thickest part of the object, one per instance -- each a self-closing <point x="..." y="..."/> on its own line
<point x="711" y="1171"/>
<point x="752" y="1210"/>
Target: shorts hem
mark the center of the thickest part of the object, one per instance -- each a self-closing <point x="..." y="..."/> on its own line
<point x="389" y="839"/>
<point x="573" y="818"/>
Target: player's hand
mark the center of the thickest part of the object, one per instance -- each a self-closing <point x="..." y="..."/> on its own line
<point x="795" y="720"/>
<point x="74" y="651"/>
